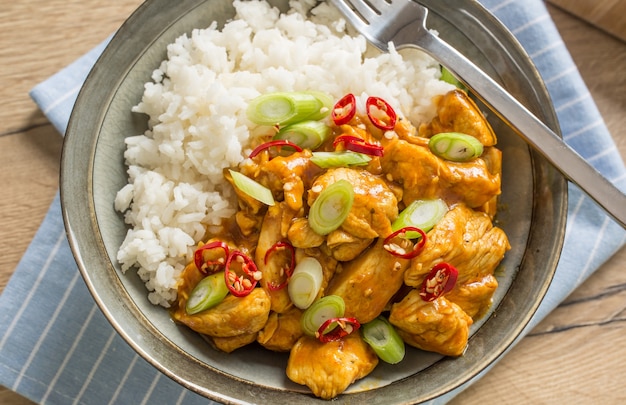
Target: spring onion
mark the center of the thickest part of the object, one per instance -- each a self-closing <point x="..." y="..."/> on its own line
<point x="455" y="146"/>
<point x="305" y="282"/>
<point x="327" y="160"/>
<point x="423" y="214"/>
<point x="383" y="338"/>
<point x="283" y="108"/>
<point x="331" y="207"/>
<point x="306" y="134"/>
<point x="328" y="307"/>
<point x="209" y="292"/>
<point x="326" y="101"/>
<point x="252" y="188"/>
<point x="448" y="77"/>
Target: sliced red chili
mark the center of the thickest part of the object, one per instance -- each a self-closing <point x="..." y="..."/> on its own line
<point x="380" y="113"/>
<point x="356" y="144"/>
<point x="440" y="280"/>
<point x="241" y="274"/>
<point x="209" y="262"/>
<point x="398" y="251"/>
<point x="344" y="327"/>
<point x="344" y="109"/>
<point x="288" y="270"/>
<point x="278" y="143"/>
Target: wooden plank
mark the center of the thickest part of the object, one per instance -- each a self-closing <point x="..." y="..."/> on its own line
<point x="609" y="15"/>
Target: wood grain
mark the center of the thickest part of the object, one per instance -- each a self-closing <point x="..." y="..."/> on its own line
<point x="607" y="15"/>
<point x="574" y="356"/>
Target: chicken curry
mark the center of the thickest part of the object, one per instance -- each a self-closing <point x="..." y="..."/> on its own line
<point x="429" y="285"/>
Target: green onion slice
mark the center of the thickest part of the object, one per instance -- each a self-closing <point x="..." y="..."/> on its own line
<point x="283" y="108"/>
<point x="252" y="188"/>
<point x="328" y="307"/>
<point x="423" y="214"/>
<point x="306" y="134"/>
<point x="209" y="292"/>
<point x="305" y="282"/>
<point x="448" y="77"/>
<point x="326" y="101"/>
<point x="455" y="146"/>
<point x="331" y="207"/>
<point x="347" y="158"/>
<point x="383" y="338"/>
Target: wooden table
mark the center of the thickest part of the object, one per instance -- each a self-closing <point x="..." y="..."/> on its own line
<point x="577" y="355"/>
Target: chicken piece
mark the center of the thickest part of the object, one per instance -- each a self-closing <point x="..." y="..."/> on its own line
<point x="457" y="112"/>
<point x="344" y="246"/>
<point x="281" y="331"/>
<point x="274" y="268"/>
<point x="465" y="239"/>
<point x="301" y="235"/>
<point x="286" y="176"/>
<point x="493" y="158"/>
<point x="474" y="297"/>
<point x="329" y="368"/>
<point x="233" y="316"/>
<point x="374" y="206"/>
<point x="439" y="326"/>
<point x="424" y="175"/>
<point x="368" y="282"/>
<point x="232" y="343"/>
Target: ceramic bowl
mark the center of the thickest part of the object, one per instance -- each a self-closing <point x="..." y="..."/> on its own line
<point x="533" y="214"/>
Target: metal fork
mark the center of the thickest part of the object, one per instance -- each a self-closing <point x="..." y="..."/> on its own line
<point x="403" y="22"/>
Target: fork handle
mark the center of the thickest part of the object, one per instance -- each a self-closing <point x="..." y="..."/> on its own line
<point x="528" y="126"/>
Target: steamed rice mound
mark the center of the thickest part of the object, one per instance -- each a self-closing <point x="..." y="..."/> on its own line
<point x="196" y="103"/>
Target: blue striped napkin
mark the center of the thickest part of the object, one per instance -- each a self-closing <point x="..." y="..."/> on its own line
<point x="57" y="348"/>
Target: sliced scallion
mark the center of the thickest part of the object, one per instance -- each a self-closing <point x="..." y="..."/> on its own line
<point x="306" y="134"/>
<point x="305" y="282"/>
<point x="252" y="188"/>
<point x="383" y="338"/>
<point x="347" y="158"/>
<point x="209" y="292"/>
<point x="328" y="307"/>
<point x="423" y="214"/>
<point x="448" y="77"/>
<point x="283" y="108"/>
<point x="455" y="146"/>
<point x="326" y="101"/>
<point x="331" y="207"/>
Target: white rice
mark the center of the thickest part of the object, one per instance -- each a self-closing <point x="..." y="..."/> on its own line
<point x="196" y="104"/>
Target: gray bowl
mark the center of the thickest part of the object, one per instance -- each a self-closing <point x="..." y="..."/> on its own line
<point x="533" y="214"/>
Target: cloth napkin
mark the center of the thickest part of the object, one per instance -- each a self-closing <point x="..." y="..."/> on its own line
<point x="56" y="347"/>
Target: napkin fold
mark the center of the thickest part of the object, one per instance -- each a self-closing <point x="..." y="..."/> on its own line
<point x="56" y="347"/>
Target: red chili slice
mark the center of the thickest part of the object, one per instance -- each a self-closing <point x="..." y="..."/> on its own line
<point x="210" y="266"/>
<point x="243" y="283"/>
<point x="278" y="142"/>
<point x="345" y="326"/>
<point x="344" y="110"/>
<point x="380" y="113"/>
<point x="393" y="248"/>
<point x="439" y="281"/>
<point x="356" y="144"/>
<point x="288" y="270"/>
